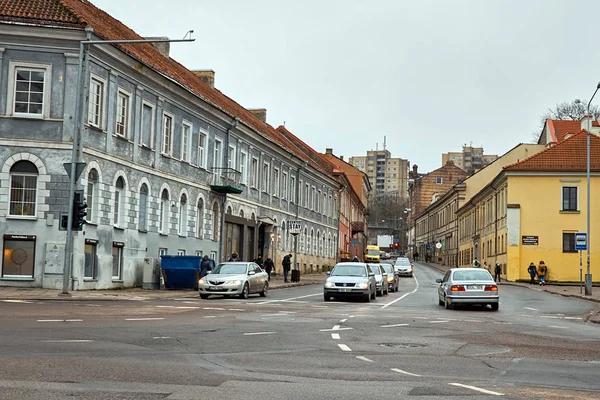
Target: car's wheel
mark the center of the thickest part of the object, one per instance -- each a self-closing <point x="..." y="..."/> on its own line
<point x="204" y="296"/>
<point x="495" y="306"/>
<point x="326" y="297"/>
<point x="265" y="290"/>
<point x="245" y="291"/>
<point x="447" y="304"/>
<point x="367" y="297"/>
<point x="440" y="301"/>
<point x="373" y="294"/>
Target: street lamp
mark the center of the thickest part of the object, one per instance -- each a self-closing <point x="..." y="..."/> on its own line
<point x="588" y="276"/>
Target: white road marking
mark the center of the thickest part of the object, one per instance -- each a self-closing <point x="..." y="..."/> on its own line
<point x="143" y="319"/>
<point x="550" y="316"/>
<point x="344" y="347"/>
<point x="351" y="316"/>
<point x="364" y="358"/>
<point x="275" y="315"/>
<point x="191" y="302"/>
<point x="50" y="320"/>
<point x="18" y="301"/>
<point x="421" y="318"/>
<point x="187" y="308"/>
<point x="404" y="295"/>
<point x="558" y="327"/>
<point x="477" y="389"/>
<point x="339" y="329"/>
<point x="400" y="371"/>
<point x="319" y="306"/>
<point x="335" y="336"/>
<point x="213" y="308"/>
<point x="472" y="320"/>
<point x="93" y="305"/>
<point x="288" y="312"/>
<point x="259" y="333"/>
<point x="236" y="309"/>
<point x="73" y="320"/>
<point x="437" y="322"/>
<point x="573" y="318"/>
<point x="290" y="299"/>
<point x="210" y="316"/>
<point x="165" y="306"/>
<point x="532" y="309"/>
<point x="335" y="328"/>
<point x="68" y="341"/>
<point x="161" y="337"/>
<point x="343" y="320"/>
<point x="394" y="325"/>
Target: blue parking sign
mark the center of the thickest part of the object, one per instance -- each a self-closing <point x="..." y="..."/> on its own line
<point x="581" y="241"/>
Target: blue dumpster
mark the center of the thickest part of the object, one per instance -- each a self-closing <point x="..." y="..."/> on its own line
<point x="181" y="272"/>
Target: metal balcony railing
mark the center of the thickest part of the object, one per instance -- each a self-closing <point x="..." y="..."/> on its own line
<point x="226" y="180"/>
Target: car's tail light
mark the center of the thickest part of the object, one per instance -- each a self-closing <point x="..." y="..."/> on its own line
<point x="457" y="288"/>
<point x="491" y="288"/>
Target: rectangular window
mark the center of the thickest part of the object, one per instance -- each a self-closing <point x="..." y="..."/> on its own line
<point x="284" y="186"/>
<point x="147" y="138"/>
<point x="276" y="182"/>
<point x="116" y="208"/>
<point x="306" y="198"/>
<point x="23" y="194"/>
<point x="96" y="102"/>
<point x="570" y="198"/>
<point x="91" y="267"/>
<point x="162" y="251"/>
<point x="199" y="253"/>
<point x="231" y="159"/>
<point x="19" y="256"/>
<point x="123" y="105"/>
<point x="117" y="255"/>
<point x="217" y="154"/>
<point x="293" y="189"/>
<point x="244" y="167"/>
<point x="186" y="134"/>
<point x="30" y="96"/>
<point x="569" y="242"/>
<point x="314" y="199"/>
<point x="255" y="173"/>
<point x="202" y="135"/>
<point x="167" y="144"/>
<point x="439" y="180"/>
<point x="181" y="252"/>
<point x="265" y="177"/>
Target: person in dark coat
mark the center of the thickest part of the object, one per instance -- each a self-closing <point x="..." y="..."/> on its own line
<point x="205" y="266"/>
<point x="269" y="265"/>
<point x="532" y="269"/>
<point x="355" y="259"/>
<point x="234" y="257"/>
<point x="286" y="263"/>
<point x="259" y="260"/>
<point x="497" y="271"/>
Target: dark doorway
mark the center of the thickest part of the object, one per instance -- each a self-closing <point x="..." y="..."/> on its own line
<point x="261" y="241"/>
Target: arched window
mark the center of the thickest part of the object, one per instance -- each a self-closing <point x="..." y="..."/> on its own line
<point x="323" y="247"/>
<point x="23" y="189"/>
<point x="91" y="195"/>
<point x="183" y="211"/>
<point x="143" y="212"/>
<point x="215" y="222"/>
<point x="163" y="216"/>
<point x="241" y="213"/>
<point x="303" y="236"/>
<point x="200" y="219"/>
<point x="118" y="211"/>
<point x="318" y="248"/>
<point x="229" y="211"/>
<point x="283" y="236"/>
<point x="309" y="243"/>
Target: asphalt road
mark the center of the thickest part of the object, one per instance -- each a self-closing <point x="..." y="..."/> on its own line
<point x="293" y="345"/>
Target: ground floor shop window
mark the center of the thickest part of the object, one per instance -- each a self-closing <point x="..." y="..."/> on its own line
<point x="91" y="265"/>
<point x="117" y="255"/>
<point x="19" y="256"/>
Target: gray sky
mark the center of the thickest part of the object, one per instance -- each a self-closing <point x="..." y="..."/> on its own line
<point x="429" y="75"/>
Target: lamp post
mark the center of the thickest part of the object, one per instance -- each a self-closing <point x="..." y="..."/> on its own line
<point x="588" y="275"/>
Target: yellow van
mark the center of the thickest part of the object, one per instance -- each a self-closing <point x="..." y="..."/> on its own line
<point x="372" y="254"/>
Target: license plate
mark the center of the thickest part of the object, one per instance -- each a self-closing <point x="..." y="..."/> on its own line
<point x="345" y="290"/>
<point x="474" y="287"/>
<point x="213" y="288"/>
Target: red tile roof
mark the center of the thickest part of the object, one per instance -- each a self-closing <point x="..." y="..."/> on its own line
<point x="559" y="129"/>
<point x="569" y="155"/>
<point x="311" y="153"/>
<point x="81" y="13"/>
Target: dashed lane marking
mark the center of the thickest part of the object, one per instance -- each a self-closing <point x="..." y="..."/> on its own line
<point x="364" y="358"/>
<point x="437" y="322"/>
<point x="236" y="309"/>
<point x="343" y="320"/>
<point x="143" y="319"/>
<point x="532" y="309"/>
<point x="68" y="341"/>
<point x="290" y="299"/>
<point x="210" y="316"/>
<point x="477" y="389"/>
<point x="19" y="301"/>
<point x="558" y="327"/>
<point x="339" y="329"/>
<point x="59" y="320"/>
<point x="550" y="316"/>
<point x="401" y="371"/>
<point x="258" y="333"/>
<point x="161" y="337"/>
<point x="344" y="347"/>
<point x="394" y="325"/>
<point x="213" y="308"/>
<point x="335" y="336"/>
<point x="573" y="318"/>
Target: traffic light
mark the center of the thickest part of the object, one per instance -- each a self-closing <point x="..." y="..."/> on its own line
<point x="79" y="212"/>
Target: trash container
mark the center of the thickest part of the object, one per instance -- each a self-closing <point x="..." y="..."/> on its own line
<point x="295" y="275"/>
<point x="181" y="272"/>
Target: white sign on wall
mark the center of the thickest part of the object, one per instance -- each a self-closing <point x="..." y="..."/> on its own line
<point x="55" y="258"/>
<point x="295" y="227"/>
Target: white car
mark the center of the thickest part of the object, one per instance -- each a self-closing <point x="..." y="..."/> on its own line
<point x="234" y="279"/>
<point x="403" y="267"/>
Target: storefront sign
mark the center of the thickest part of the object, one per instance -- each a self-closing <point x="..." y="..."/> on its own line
<point x="91" y="241"/>
<point x="118" y="244"/>
<point x="19" y="237"/>
<point x="529" y="240"/>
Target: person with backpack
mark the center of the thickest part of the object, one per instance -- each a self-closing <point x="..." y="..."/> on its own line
<point x="532" y="272"/>
<point x="286" y="263"/>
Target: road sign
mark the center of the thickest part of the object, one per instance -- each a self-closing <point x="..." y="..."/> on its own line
<point x="354" y="242"/>
<point x="396" y="240"/>
<point x="438" y="245"/>
<point x="79" y="167"/>
<point x="294" y="227"/>
<point x="580" y="241"/>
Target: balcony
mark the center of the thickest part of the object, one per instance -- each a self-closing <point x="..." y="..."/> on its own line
<point x="226" y="180"/>
<point x="357" y="226"/>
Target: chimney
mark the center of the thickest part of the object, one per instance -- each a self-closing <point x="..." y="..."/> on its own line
<point x="449" y="162"/>
<point x="260" y="113"/>
<point x="415" y="171"/>
<point x="342" y="158"/>
<point x="206" y="75"/>
<point x="329" y="151"/>
<point x="163" y="47"/>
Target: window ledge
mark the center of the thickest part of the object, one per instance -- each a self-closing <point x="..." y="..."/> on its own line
<point x="123" y="138"/>
<point x="16" y="278"/>
<point x="165" y="155"/>
<point x="117" y="281"/>
<point x="90" y="279"/>
<point x="118" y="228"/>
<point x="94" y="128"/>
<point x="143" y="230"/>
<point x="570" y="212"/>
<point x="27" y="218"/>
<point x="144" y="146"/>
<point x="181" y="236"/>
<point x="163" y="234"/>
<point x="91" y="223"/>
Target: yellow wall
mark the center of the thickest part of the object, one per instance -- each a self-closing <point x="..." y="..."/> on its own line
<point x="539" y="198"/>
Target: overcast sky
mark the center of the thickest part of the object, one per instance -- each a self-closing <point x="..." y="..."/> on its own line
<point x="428" y="75"/>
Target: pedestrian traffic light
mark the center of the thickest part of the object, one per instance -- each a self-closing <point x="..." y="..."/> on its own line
<point x="79" y="212"/>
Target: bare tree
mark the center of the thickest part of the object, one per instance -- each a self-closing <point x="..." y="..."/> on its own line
<point x="567" y="110"/>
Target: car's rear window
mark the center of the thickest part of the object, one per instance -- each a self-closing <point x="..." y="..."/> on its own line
<point x="387" y="267"/>
<point x="471" y="276"/>
<point x="375" y="269"/>
<point x="403" y="261"/>
<point x="349" y="270"/>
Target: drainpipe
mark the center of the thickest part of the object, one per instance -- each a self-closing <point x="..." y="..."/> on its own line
<point x="297" y="198"/>
<point x="232" y="125"/>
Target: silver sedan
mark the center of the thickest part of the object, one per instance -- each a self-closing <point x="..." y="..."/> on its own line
<point x="234" y="279"/>
<point x="350" y="279"/>
<point x="468" y="286"/>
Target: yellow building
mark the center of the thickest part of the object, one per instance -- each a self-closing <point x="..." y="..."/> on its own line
<point x="531" y="212"/>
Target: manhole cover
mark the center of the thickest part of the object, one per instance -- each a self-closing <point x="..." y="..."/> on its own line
<point x="401" y="345"/>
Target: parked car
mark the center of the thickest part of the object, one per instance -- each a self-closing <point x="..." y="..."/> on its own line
<point x="234" y="278"/>
<point x="350" y="279"/>
<point x="380" y="278"/>
<point x="392" y="277"/>
<point x="403" y="266"/>
<point x="468" y="286"/>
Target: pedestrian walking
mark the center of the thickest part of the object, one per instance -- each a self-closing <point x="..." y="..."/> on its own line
<point x="476" y="263"/>
<point x="532" y="272"/>
<point x="269" y="265"/>
<point x="355" y="259"/>
<point x="542" y="272"/>
<point x="286" y="263"/>
<point x="416" y="256"/>
<point x="486" y="266"/>
<point x="234" y="257"/>
<point x="205" y="266"/>
<point x="259" y="260"/>
<point x="497" y="271"/>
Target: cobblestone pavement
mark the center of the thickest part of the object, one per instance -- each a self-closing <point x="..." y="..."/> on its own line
<point x="12" y="293"/>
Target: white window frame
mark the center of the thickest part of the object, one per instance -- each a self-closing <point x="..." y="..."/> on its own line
<point x="293" y="189"/>
<point x="12" y="85"/>
<point x="122" y="93"/>
<point x="151" y="140"/>
<point x="200" y="220"/>
<point x="168" y="151"/>
<point x="439" y="180"/>
<point x="10" y="200"/>
<point x="119" y="202"/>
<point x="164" y="213"/>
<point x="181" y="252"/>
<point x="119" y="276"/>
<point x="90" y="198"/>
<point x="102" y="109"/>
<point x="314" y="199"/>
<point x="218" y="154"/>
<point x="183" y="216"/>
<point x="562" y="198"/>
<point x="232" y="157"/>
<point x="244" y="167"/>
<point x="202" y="146"/>
<point x="143" y="213"/>
<point x="306" y="198"/>
<point x="255" y="172"/>
<point x="284" y="186"/>
<point x="265" y="176"/>
<point x="276" y="182"/>
<point x="186" y="140"/>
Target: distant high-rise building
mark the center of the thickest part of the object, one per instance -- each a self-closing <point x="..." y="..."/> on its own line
<point x="387" y="175"/>
<point x="471" y="159"/>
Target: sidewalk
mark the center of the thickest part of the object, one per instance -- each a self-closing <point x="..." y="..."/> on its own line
<point x="560" y="290"/>
<point x="138" y="294"/>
